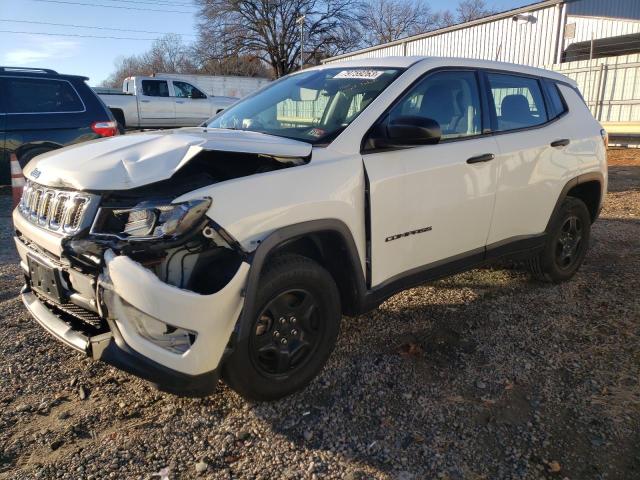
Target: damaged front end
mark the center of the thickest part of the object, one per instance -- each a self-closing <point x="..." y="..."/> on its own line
<point x="171" y="280"/>
<point x="152" y="287"/>
<point x="117" y="268"/>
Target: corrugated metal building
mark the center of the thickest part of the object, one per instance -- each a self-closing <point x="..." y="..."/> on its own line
<point x="596" y="42"/>
<point x="498" y="37"/>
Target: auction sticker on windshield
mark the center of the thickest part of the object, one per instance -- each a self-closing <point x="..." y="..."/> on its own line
<point x="365" y="74"/>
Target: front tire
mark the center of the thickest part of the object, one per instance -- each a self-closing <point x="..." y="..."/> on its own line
<point x="291" y="334"/>
<point x="566" y="245"/>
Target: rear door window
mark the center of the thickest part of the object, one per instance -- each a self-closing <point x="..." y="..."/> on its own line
<point x="39" y="95"/>
<point x="155" y="88"/>
<point x="518" y="100"/>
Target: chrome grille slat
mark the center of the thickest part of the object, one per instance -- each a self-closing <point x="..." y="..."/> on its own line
<point x="35" y="203"/>
<point x="45" y="207"/>
<point x="62" y="211"/>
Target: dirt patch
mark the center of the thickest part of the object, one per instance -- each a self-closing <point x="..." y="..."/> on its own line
<point x="624" y="156"/>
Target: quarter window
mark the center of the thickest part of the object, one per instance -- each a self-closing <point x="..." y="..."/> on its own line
<point x="518" y="101"/>
<point x="450" y="98"/>
<point x="556" y="104"/>
<point x="34" y="95"/>
<point x="155" y="88"/>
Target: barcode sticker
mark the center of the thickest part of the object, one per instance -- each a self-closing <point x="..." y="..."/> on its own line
<point x="363" y="74"/>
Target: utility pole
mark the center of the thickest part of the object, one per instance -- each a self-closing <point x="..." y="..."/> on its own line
<point x="300" y="21"/>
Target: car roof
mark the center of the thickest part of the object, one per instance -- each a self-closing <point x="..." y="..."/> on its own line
<point x="37" y="73"/>
<point x="435" y="62"/>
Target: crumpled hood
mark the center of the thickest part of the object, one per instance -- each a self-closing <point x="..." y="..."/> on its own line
<point x="129" y="161"/>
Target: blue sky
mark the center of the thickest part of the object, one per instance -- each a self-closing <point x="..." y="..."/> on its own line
<point x="95" y="57"/>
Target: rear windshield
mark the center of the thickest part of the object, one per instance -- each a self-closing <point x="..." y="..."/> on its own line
<point x="39" y="95"/>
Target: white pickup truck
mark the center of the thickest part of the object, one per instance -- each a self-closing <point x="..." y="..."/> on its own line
<point x="162" y="102"/>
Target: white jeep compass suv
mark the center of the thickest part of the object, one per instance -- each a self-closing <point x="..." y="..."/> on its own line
<point x="233" y="249"/>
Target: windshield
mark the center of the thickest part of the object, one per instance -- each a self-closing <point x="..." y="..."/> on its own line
<point x="313" y="106"/>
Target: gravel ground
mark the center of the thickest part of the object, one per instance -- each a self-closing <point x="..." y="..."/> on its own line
<point x="486" y="375"/>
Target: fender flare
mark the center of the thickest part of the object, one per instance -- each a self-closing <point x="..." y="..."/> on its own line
<point x="585" y="177"/>
<point x="260" y="255"/>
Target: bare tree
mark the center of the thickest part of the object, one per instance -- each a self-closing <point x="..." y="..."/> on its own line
<point x="388" y="20"/>
<point x="268" y="30"/>
<point x="167" y="54"/>
<point x="383" y="21"/>
<point x="445" y="18"/>
<point x="472" y="9"/>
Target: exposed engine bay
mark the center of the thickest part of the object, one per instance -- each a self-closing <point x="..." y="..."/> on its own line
<point x="200" y="256"/>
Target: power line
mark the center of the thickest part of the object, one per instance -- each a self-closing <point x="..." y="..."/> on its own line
<point x="94" y="27"/>
<point x="160" y="2"/>
<point x="113" y="6"/>
<point x="77" y="35"/>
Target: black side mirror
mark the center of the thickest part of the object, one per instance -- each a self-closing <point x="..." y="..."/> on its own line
<point x="413" y="130"/>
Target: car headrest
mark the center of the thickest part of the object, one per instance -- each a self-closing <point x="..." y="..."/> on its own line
<point x="515" y="108"/>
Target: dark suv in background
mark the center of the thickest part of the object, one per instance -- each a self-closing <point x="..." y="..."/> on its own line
<point x="41" y="110"/>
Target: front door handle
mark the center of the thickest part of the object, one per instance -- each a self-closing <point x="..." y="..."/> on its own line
<point x="145" y="101"/>
<point x="561" y="143"/>
<point x="179" y="101"/>
<point x="487" y="157"/>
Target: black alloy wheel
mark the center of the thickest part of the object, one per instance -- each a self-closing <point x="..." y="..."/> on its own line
<point x="569" y="243"/>
<point x="286" y="333"/>
<point x="286" y="342"/>
<point x="566" y="244"/>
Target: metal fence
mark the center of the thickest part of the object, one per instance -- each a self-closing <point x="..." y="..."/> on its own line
<point x="611" y="88"/>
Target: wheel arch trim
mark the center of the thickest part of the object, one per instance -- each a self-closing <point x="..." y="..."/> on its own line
<point x="574" y="182"/>
<point x="282" y="235"/>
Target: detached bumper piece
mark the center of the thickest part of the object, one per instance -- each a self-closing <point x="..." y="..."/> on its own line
<point x="101" y="340"/>
<point x="179" y="329"/>
<point x="120" y="355"/>
<point x="59" y="325"/>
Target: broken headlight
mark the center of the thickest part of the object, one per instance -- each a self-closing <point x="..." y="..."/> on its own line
<point x="150" y="220"/>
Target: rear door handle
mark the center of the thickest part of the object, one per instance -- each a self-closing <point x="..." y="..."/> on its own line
<point x="179" y="101"/>
<point x="145" y="101"/>
<point x="487" y="157"/>
<point x="561" y="143"/>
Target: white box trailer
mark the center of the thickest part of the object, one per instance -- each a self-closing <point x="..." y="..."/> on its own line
<point x="228" y="86"/>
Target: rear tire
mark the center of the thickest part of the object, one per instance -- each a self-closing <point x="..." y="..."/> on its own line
<point x="566" y="245"/>
<point x="291" y="332"/>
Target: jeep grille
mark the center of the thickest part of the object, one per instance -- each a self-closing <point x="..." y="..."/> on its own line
<point x="62" y="211"/>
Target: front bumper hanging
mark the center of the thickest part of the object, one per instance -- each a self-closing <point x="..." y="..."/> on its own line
<point x="124" y="282"/>
<point x="111" y="348"/>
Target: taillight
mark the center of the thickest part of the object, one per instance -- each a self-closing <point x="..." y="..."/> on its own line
<point x="105" y="129"/>
<point x="605" y="137"/>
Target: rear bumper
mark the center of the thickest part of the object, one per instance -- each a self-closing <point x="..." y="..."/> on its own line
<point x="111" y="348"/>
